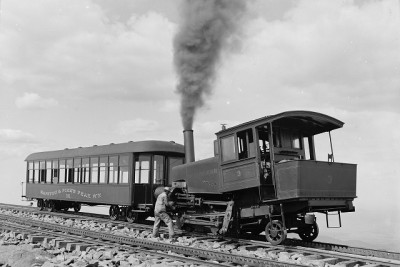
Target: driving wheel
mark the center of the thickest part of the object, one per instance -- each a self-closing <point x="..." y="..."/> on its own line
<point x="275" y="232"/>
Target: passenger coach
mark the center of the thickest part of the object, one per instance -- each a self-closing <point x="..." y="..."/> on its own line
<point x="123" y="176"/>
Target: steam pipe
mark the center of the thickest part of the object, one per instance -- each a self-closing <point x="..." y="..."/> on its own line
<point x="189" y="145"/>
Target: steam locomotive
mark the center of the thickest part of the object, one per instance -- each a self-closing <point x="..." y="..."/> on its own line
<point x="264" y="176"/>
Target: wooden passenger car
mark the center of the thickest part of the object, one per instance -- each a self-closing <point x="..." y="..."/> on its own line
<point x="123" y="176"/>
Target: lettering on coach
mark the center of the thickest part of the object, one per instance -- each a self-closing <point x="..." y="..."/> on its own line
<point x="69" y="191"/>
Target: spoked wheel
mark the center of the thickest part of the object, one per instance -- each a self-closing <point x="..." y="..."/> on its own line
<point x="40" y="204"/>
<point x="51" y="205"/>
<point x="309" y="232"/>
<point x="114" y="212"/>
<point x="77" y="207"/>
<point x="46" y="205"/>
<point x="275" y="232"/>
<point x="132" y="216"/>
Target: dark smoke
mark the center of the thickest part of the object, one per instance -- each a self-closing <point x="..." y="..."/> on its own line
<point x="207" y="26"/>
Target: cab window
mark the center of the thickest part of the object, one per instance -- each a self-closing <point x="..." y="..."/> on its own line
<point x="228" y="148"/>
<point x="245" y="144"/>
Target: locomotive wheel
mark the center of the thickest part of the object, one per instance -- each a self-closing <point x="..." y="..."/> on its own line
<point x="77" y="207"/>
<point x="114" y="212"/>
<point x="275" y="232"/>
<point x="132" y="216"/>
<point x="309" y="232"/>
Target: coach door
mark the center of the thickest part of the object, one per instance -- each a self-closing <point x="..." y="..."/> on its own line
<point x="149" y="174"/>
<point x="142" y="183"/>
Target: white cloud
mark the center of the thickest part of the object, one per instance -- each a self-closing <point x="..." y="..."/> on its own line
<point x="86" y="57"/>
<point x="332" y="52"/>
<point x="35" y="101"/>
<point x="16" y="136"/>
<point x="137" y="127"/>
<point x="16" y="143"/>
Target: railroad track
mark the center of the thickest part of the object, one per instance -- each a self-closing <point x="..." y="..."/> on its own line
<point x="73" y="241"/>
<point x="246" y="237"/>
<point x="237" y="250"/>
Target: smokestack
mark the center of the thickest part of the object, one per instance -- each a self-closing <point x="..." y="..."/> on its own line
<point x="189" y="145"/>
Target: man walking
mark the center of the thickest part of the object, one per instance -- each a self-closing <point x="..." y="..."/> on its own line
<point x="160" y="213"/>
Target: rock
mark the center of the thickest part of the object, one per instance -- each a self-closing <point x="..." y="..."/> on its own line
<point x="22" y="256"/>
<point x="284" y="256"/>
<point x="97" y="255"/>
<point x="133" y="260"/>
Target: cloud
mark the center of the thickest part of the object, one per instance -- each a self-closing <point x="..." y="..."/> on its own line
<point x="16" y="136"/>
<point x="35" y="101"/>
<point x="137" y="127"/>
<point x="333" y="52"/>
<point x="17" y="143"/>
<point x="86" y="57"/>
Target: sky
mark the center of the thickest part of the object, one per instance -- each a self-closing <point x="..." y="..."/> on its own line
<point x="80" y="73"/>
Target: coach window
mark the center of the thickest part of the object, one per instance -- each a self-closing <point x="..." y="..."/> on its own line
<point x="228" y="148"/>
<point x="70" y="171"/>
<point x="158" y="169"/>
<point x="48" y="172"/>
<point x="85" y="171"/>
<point x="113" y="170"/>
<point x="94" y="170"/>
<point x="36" y="171"/>
<point x="54" y="173"/>
<point x="142" y="169"/>
<point x="103" y="170"/>
<point x="77" y="169"/>
<point x="31" y="178"/>
<point x="172" y="162"/>
<point x="123" y="169"/>
<point x="62" y="171"/>
<point x="42" y="172"/>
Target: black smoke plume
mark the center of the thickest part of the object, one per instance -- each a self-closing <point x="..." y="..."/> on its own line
<point x="207" y="27"/>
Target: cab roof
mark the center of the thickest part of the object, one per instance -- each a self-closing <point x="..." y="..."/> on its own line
<point x="309" y="122"/>
<point x="129" y="147"/>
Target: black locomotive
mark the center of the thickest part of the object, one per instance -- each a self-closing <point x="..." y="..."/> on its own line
<point x="264" y="176"/>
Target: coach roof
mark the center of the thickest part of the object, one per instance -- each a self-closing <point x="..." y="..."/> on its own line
<point x="130" y="147"/>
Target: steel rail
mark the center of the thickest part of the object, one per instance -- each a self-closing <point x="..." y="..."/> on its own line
<point x="29" y="230"/>
<point x="196" y="252"/>
<point x="306" y="247"/>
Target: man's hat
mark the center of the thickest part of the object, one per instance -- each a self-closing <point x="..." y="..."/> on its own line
<point x="167" y="188"/>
